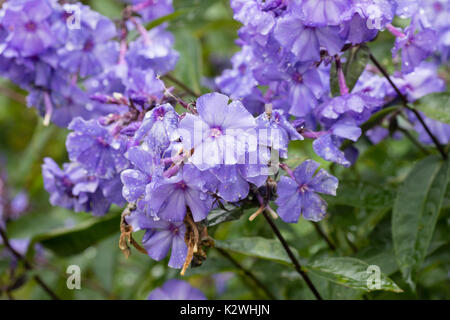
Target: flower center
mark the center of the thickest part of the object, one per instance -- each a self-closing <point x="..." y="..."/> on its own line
<point x="216" y="132"/>
<point x="88" y="45"/>
<point x="297" y="77"/>
<point x="181" y="185"/>
<point x="159" y="114"/>
<point x="303" y="188"/>
<point x="30" y="26"/>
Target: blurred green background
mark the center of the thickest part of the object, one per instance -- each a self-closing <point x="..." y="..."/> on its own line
<point x="358" y="224"/>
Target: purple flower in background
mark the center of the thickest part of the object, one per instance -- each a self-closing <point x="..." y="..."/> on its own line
<point x="168" y="197"/>
<point x="86" y="49"/>
<point x="153" y="50"/>
<point x="176" y="290"/>
<point x="415" y="47"/>
<point x="220" y="134"/>
<point x="239" y="81"/>
<point x="358" y="106"/>
<point x="258" y="23"/>
<point x="73" y="188"/>
<point x="152" y="9"/>
<point x="160" y="237"/>
<point x="422" y="81"/>
<point x="93" y="145"/>
<point x="297" y="194"/>
<point x="27" y="22"/>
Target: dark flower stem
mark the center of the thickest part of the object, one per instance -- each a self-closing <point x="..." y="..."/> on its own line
<point x="27" y="265"/>
<point x="323" y="235"/>
<point x="405" y="104"/>
<point x="247" y="273"/>
<point x="294" y="260"/>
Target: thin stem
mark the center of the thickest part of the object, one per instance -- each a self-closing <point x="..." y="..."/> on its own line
<point x="248" y="273"/>
<point x="405" y="104"/>
<point x="294" y="260"/>
<point x="13" y="95"/>
<point x="324" y="236"/>
<point x="180" y="84"/>
<point x="27" y="265"/>
<point x="341" y="77"/>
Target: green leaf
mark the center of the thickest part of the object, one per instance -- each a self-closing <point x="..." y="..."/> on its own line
<point x="368" y="195"/>
<point x="219" y="215"/>
<point x="166" y="18"/>
<point x="350" y="272"/>
<point x="436" y="106"/>
<point x="269" y="249"/>
<point x="356" y="60"/>
<point x="416" y="210"/>
<point x="66" y="242"/>
<point x="189" y="67"/>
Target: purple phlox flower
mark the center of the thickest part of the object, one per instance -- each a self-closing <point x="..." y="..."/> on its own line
<point x="372" y="84"/>
<point x="136" y="180"/>
<point x="415" y="47"/>
<point x="231" y="185"/>
<point x="88" y="48"/>
<point x="93" y="145"/>
<point x="27" y="21"/>
<point x="160" y="237"/>
<point x="19" y="204"/>
<point x="176" y="290"/>
<point x="158" y="128"/>
<point x="151" y="9"/>
<point x="168" y="197"/>
<point x="407" y="8"/>
<point x="376" y="12"/>
<point x="377" y="134"/>
<point x="320" y="13"/>
<point x="297" y="194"/>
<point x="257" y="22"/>
<point x="220" y="134"/>
<point x="221" y="281"/>
<point x="275" y="131"/>
<point x="69" y="102"/>
<point x="305" y="88"/>
<point x="112" y="190"/>
<point x="73" y="188"/>
<point x="327" y="145"/>
<point x="239" y="81"/>
<point x="306" y="41"/>
<point x="357" y="30"/>
<point x="358" y="106"/>
<point x="153" y="52"/>
<point x="422" y="81"/>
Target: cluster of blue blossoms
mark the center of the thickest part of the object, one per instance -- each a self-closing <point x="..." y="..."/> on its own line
<point x="129" y="145"/>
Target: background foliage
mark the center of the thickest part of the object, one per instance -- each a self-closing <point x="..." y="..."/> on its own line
<point x="392" y="207"/>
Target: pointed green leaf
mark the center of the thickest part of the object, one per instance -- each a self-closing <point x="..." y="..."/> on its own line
<point x="269" y="249"/>
<point x="416" y="210"/>
<point x="65" y="242"/>
<point x="352" y="273"/>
